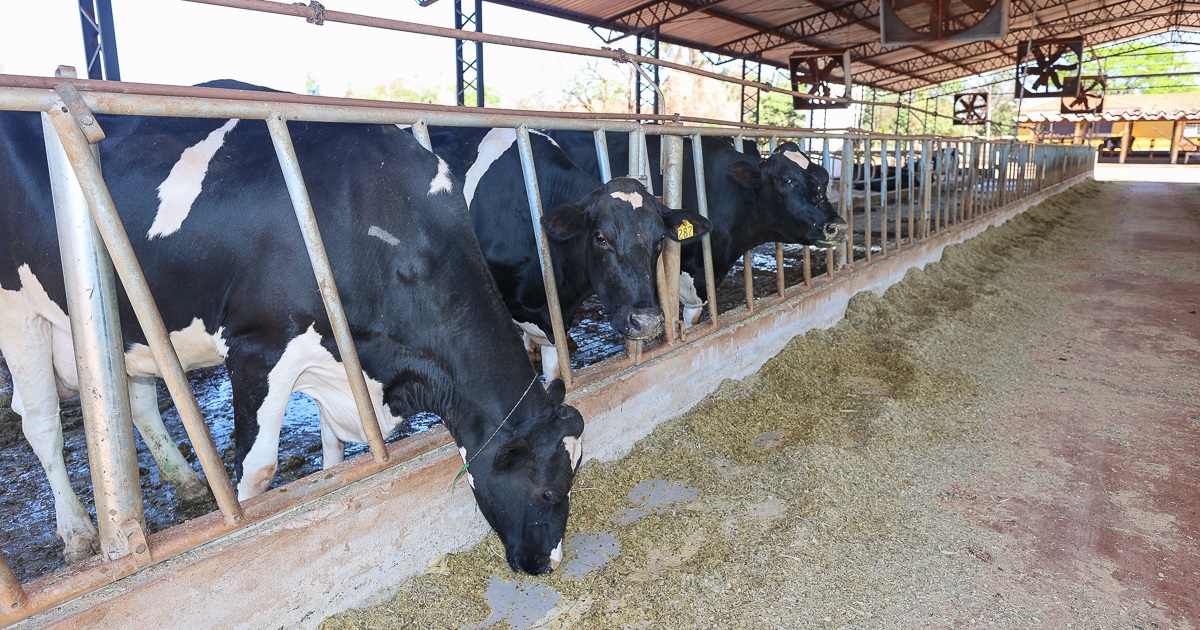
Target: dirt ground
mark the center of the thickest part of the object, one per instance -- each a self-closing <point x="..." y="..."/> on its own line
<point x="1009" y="438"/>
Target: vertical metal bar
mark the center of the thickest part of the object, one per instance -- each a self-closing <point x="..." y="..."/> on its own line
<point x="706" y="242"/>
<point x="104" y="212"/>
<point x="883" y="193"/>
<point x="285" y="152"/>
<point x="108" y="40"/>
<point x="867" y="227"/>
<point x="602" y="155"/>
<point x="912" y="192"/>
<point x="672" y="150"/>
<point x="780" y="280"/>
<point x="99" y="350"/>
<point x="534" y="196"/>
<point x="747" y="257"/>
<point x="12" y="596"/>
<point x="635" y="164"/>
<point x="926" y="183"/>
<point x="420" y="131"/>
<point x="847" y="202"/>
<point x="807" y="267"/>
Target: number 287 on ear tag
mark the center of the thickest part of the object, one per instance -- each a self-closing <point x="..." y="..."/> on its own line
<point x="686" y="230"/>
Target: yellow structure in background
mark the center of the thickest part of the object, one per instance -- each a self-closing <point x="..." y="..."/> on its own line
<point x="1151" y="127"/>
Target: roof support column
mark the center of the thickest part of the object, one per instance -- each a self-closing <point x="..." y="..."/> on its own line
<point x="99" y="39"/>
<point x="1176" y="138"/>
<point x="1080" y="132"/>
<point x="1126" y="140"/>
<point x="645" y="92"/>
<point x="468" y="68"/>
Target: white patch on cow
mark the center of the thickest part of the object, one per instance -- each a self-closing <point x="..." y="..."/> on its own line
<point x="178" y="192"/>
<point x="383" y="235"/>
<point x="797" y="157"/>
<point x="403" y="127"/>
<point x="219" y="341"/>
<point x="550" y="364"/>
<point x="493" y="145"/>
<point x="556" y="556"/>
<point x="195" y="347"/>
<point x="544" y="136"/>
<point x="462" y="452"/>
<point x="574" y="448"/>
<point x="634" y="198"/>
<point x="693" y="306"/>
<point x="307" y="367"/>
<point x="441" y="182"/>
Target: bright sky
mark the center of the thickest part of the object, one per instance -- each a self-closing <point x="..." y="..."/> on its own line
<point x="183" y="43"/>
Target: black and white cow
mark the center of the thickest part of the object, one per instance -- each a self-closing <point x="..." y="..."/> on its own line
<point x="604" y="238"/>
<point x="751" y="201"/>
<point x="207" y="210"/>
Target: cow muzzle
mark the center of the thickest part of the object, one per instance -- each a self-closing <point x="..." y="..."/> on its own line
<point x="644" y="323"/>
<point x="833" y="233"/>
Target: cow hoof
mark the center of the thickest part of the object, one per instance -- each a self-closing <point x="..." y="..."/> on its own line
<point x="81" y="548"/>
<point x="194" y="489"/>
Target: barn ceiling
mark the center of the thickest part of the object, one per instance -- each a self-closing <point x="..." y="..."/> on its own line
<point x="770" y="30"/>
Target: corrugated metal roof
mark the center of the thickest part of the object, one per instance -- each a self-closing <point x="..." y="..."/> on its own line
<point x="770" y="30"/>
<point x="1119" y="107"/>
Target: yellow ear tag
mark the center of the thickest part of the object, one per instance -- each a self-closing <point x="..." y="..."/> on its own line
<point x="685" y="230"/>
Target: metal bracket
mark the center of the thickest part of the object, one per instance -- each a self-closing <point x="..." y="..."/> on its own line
<point x="139" y="549"/>
<point x="78" y="111"/>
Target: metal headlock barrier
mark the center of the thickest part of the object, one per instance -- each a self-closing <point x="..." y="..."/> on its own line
<point x="927" y="185"/>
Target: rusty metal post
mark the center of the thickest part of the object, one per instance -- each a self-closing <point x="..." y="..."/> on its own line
<point x="706" y="242"/>
<point x="12" y="596"/>
<point x="602" y="155"/>
<point x="96" y="335"/>
<point x="672" y="150"/>
<point x="289" y="164"/>
<point x="104" y="213"/>
<point x="847" y="202"/>
<point x="534" y="197"/>
<point x="807" y="267"/>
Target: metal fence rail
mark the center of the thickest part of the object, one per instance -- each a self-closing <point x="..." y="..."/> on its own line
<point x="925" y="197"/>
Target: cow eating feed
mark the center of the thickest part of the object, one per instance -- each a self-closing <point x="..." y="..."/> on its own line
<point x="209" y="216"/>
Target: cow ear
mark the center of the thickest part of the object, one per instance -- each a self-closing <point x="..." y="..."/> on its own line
<point x="571" y="421"/>
<point x="683" y="225"/>
<point x="511" y="454"/>
<point x="557" y="391"/>
<point x="564" y="222"/>
<point x="744" y="174"/>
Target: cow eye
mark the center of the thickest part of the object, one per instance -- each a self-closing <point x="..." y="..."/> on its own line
<point x="601" y="242"/>
<point x="789" y="181"/>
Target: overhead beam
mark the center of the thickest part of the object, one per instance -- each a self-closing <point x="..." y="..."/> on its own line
<point x="972" y="53"/>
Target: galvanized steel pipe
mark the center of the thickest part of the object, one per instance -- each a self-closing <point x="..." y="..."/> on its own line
<point x="318" y="257"/>
<point x="534" y="197"/>
<point x="96" y="335"/>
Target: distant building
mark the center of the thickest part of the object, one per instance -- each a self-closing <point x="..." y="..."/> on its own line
<point x="1163" y="128"/>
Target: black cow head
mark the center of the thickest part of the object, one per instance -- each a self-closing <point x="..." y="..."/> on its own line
<point x="792" y="190"/>
<point x="524" y="485"/>
<point x="620" y="228"/>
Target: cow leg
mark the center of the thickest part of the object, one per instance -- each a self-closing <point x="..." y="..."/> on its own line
<point x="693" y="306"/>
<point x="261" y="385"/>
<point x="143" y="401"/>
<point x="25" y="342"/>
<point x="333" y="450"/>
